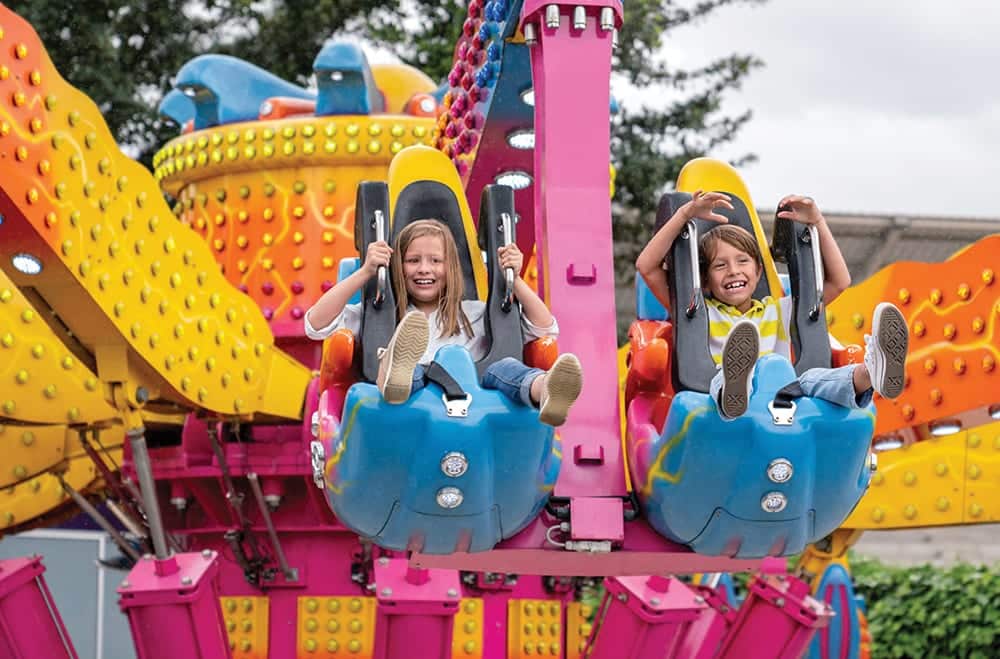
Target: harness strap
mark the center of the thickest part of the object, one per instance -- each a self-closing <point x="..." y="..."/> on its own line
<point x="785" y="396"/>
<point x="439" y="376"/>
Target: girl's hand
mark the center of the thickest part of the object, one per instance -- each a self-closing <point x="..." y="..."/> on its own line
<point x="378" y="254"/>
<point x="703" y="205"/>
<point x="799" y="209"/>
<point x="511" y="257"/>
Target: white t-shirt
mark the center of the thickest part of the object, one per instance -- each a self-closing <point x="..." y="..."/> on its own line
<point x="350" y="318"/>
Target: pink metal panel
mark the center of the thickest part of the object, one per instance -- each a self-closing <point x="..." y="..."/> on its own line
<point x="416" y="609"/>
<point x="777" y="620"/>
<point x="30" y="625"/>
<point x="593" y="518"/>
<point x="178" y="614"/>
<point x="644" y="618"/>
<point x="571" y="73"/>
<point x="705" y="636"/>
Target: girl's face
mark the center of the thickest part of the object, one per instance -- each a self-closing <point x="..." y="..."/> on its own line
<point x="732" y="276"/>
<point x="424" y="270"/>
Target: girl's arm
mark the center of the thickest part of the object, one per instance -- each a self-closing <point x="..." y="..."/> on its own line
<point x="331" y="303"/>
<point x="532" y="306"/>
<point x="836" y="275"/>
<point x="650" y="261"/>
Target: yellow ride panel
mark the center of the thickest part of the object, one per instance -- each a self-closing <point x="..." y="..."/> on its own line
<point x="578" y="628"/>
<point x="247" y="621"/>
<point x="534" y="628"/>
<point x="30" y="450"/>
<point x="42" y="380"/>
<point x="336" y="627"/>
<point x="138" y="289"/>
<point x="467" y="634"/>
<point x="982" y="472"/>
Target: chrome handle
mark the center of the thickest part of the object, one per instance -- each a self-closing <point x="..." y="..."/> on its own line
<point x="696" y="293"/>
<point x="507" y="229"/>
<point x="379" y="222"/>
<point x="817" y="271"/>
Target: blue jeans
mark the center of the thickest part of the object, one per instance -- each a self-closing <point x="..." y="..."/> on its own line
<point x="834" y="385"/>
<point x="508" y="376"/>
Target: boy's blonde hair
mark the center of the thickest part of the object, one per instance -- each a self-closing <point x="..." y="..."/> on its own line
<point x="451" y="318"/>
<point x="736" y="236"/>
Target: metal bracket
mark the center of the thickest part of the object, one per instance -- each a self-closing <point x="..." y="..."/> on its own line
<point x="782" y="416"/>
<point x="457" y="407"/>
<point x="318" y="456"/>
<point x="589" y="546"/>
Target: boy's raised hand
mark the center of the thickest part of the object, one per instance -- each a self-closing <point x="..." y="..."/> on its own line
<point x="378" y="254"/>
<point x="511" y="257"/>
<point x="799" y="208"/>
<point x="703" y="205"/>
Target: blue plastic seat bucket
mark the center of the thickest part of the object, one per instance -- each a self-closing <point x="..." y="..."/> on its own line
<point x="384" y="470"/>
<point x="708" y="478"/>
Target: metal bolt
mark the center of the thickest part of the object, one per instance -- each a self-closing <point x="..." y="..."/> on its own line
<point x="452" y="592"/>
<point x="779" y="602"/>
<point x="530" y="38"/>
<point x="386" y="592"/>
<point x="141" y="395"/>
<point x="147" y="557"/>
<point x="698" y="599"/>
<point x="655" y="601"/>
<point x="622" y="597"/>
<point x="126" y="584"/>
<point x="579" y="18"/>
<point x="207" y="553"/>
<point x="552" y="17"/>
<point x="186" y="581"/>
<point x="607" y="19"/>
<point x="383" y="561"/>
<point x="614" y="40"/>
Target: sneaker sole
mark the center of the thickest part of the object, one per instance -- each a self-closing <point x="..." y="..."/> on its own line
<point x="409" y="346"/>
<point x="563" y="387"/>
<point x="738" y="359"/>
<point x="894" y="341"/>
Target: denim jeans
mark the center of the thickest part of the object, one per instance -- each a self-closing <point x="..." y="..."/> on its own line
<point x="834" y="385"/>
<point x="508" y="376"/>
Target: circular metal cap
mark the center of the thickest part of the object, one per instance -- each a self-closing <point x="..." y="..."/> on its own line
<point x="773" y="502"/>
<point x="454" y="464"/>
<point x="450" y="497"/>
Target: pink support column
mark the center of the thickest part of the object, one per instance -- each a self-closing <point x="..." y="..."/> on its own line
<point x="416" y="610"/>
<point x="643" y="618"/>
<point x="705" y="636"/>
<point x="30" y="625"/>
<point x="173" y="608"/>
<point x="776" y="621"/>
<point x="571" y="71"/>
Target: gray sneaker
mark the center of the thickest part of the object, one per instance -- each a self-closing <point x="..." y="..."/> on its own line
<point x="739" y="356"/>
<point x="885" y="350"/>
<point x="397" y="361"/>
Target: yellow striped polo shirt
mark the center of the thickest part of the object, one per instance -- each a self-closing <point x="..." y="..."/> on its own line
<point x="770" y="315"/>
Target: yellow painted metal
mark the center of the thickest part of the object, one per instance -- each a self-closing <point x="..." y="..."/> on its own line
<point x="713" y="175"/>
<point x="30" y="450"/>
<point x="246" y="620"/>
<point x="467" y="636"/>
<point x="578" y="628"/>
<point x="814" y="561"/>
<point x="27" y="502"/>
<point x="399" y="82"/>
<point x="916" y="486"/>
<point x="336" y="627"/>
<point x="534" y="628"/>
<point x="41" y="381"/>
<point x="982" y="473"/>
<point x="265" y="146"/>
<point x="140" y="291"/>
<point x="424" y="163"/>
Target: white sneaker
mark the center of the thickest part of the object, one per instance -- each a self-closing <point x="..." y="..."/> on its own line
<point x="885" y="350"/>
<point x="739" y="356"/>
<point x="398" y="360"/>
<point x="563" y="384"/>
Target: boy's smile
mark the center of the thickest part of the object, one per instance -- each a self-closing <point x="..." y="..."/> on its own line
<point x="733" y="276"/>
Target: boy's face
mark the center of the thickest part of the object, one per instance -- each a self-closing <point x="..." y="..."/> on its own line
<point x="732" y="276"/>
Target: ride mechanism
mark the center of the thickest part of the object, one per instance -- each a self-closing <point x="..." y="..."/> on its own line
<point x="268" y="502"/>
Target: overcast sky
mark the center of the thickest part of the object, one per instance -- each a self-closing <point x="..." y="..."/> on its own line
<point x="867" y="105"/>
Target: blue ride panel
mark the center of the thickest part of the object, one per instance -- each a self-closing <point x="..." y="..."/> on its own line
<point x="647" y="307"/>
<point x="345" y="81"/>
<point x="226" y="89"/>
<point x="347" y="267"/>
<point x="842" y="638"/>
<point x="177" y="107"/>
<point x="384" y="469"/>
<point x="708" y="477"/>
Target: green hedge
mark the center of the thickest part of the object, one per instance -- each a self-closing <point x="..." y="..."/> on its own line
<point x="928" y="613"/>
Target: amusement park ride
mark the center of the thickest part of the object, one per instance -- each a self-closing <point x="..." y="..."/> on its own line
<point x="271" y="505"/>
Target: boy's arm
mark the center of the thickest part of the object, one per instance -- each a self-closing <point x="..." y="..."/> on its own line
<point x="331" y="303"/>
<point x="650" y="261"/>
<point x="836" y="277"/>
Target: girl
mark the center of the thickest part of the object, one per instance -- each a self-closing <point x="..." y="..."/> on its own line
<point x="742" y="328"/>
<point x="428" y="285"/>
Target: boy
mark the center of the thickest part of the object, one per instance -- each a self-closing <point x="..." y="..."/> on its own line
<point x="742" y="328"/>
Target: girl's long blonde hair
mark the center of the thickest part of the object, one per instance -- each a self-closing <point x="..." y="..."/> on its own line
<point x="451" y="318"/>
